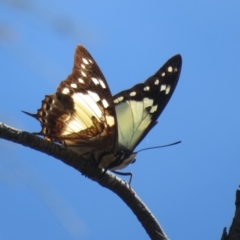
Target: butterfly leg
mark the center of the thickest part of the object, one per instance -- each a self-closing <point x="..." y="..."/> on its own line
<point x="125" y="174"/>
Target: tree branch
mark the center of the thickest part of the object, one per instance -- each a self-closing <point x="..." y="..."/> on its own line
<point x="87" y="168"/>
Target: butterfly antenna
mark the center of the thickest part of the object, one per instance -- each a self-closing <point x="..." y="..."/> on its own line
<point x="168" y="145"/>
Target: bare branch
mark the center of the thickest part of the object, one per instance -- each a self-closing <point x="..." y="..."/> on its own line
<point x="87" y="168"/>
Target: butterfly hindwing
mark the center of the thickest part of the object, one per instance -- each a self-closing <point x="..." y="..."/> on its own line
<point x="138" y="108"/>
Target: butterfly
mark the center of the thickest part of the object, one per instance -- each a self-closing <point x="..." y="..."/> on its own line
<point x="84" y="116"/>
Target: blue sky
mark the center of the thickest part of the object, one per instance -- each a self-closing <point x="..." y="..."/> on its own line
<point x="190" y="188"/>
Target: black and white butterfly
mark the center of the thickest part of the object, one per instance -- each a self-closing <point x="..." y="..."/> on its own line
<point x="84" y="116"/>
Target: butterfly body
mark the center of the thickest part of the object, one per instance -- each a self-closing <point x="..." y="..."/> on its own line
<point x="84" y="116"/>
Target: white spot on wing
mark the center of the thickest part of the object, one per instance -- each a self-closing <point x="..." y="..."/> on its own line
<point x="170" y="69"/>
<point x="65" y="91"/>
<point x="156" y="82"/>
<point x="105" y="103"/>
<point x="153" y="109"/>
<point x="163" y="87"/>
<point x="80" y="80"/>
<point x="73" y="85"/>
<point x="83" y="66"/>
<point x="175" y="69"/>
<point x="132" y="94"/>
<point x="85" y="60"/>
<point x="83" y="73"/>
<point x="96" y="82"/>
<point x="168" y="89"/>
<point x="120" y="98"/>
<point x="163" y="74"/>
<point x="102" y="83"/>
<point x="146" y="88"/>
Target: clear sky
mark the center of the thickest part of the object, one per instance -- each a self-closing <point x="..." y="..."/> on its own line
<point x="190" y="188"/>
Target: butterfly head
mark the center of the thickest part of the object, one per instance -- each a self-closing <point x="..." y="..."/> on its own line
<point x="117" y="161"/>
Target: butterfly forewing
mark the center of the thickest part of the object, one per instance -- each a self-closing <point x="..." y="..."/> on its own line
<point x="81" y="112"/>
<point x="138" y="108"/>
